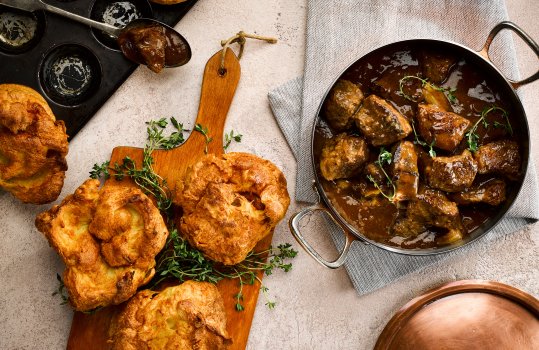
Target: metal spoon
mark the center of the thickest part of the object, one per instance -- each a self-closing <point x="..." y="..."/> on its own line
<point x="175" y="40"/>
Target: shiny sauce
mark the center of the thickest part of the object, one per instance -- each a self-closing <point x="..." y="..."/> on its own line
<point x="154" y="46"/>
<point x="474" y="90"/>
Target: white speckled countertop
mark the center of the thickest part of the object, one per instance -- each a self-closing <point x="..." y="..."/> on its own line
<point x="317" y="308"/>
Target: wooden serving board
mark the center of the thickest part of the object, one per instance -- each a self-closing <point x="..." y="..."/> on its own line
<point x="90" y="331"/>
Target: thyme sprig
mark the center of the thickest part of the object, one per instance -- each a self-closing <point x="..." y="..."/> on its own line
<point x="182" y="262"/>
<point x="432" y="152"/>
<point x="179" y="260"/>
<point x="156" y="139"/>
<point x="145" y="177"/>
<point x="449" y="92"/>
<point x="472" y="138"/>
<point x="100" y="170"/>
<point x="61" y="291"/>
<point x="205" y="132"/>
<point x="384" y="157"/>
<point x="231" y="137"/>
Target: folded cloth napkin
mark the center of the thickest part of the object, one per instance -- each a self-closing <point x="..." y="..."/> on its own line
<point x="341" y="31"/>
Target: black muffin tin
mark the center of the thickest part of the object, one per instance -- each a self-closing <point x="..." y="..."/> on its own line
<point x="74" y="67"/>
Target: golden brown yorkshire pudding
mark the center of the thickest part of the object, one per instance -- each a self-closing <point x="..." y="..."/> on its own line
<point x="108" y="240"/>
<point x="230" y="202"/>
<point x="33" y="146"/>
<point x="189" y="316"/>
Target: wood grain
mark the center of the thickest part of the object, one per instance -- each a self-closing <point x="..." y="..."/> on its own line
<point x="90" y="331"/>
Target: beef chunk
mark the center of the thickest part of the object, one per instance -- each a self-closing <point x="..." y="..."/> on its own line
<point x="342" y="103"/>
<point x="434" y="96"/>
<point x="500" y="157"/>
<point x="405" y="172"/>
<point x="388" y="86"/>
<point x="431" y="209"/>
<point x="366" y="187"/>
<point x="343" y="156"/>
<point x="445" y="129"/>
<point x="491" y="192"/>
<point x="437" y="65"/>
<point x="452" y="174"/>
<point x="380" y="122"/>
<point x="424" y="161"/>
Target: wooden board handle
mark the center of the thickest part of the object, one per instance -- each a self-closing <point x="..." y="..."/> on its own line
<point x="216" y="97"/>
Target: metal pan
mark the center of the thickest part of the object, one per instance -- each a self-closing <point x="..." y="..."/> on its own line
<point x="506" y="86"/>
<point x="469" y="314"/>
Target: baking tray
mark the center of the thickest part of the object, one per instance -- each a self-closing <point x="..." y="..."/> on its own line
<point x="74" y="67"/>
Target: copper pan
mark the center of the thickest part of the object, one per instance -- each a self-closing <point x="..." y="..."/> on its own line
<point x="472" y="314"/>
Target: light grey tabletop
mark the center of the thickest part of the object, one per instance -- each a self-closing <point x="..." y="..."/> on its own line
<point x="317" y="308"/>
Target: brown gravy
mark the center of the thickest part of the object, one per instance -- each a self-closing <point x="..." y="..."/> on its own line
<point x="154" y="46"/>
<point x="475" y="90"/>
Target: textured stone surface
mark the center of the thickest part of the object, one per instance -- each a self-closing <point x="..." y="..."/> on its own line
<point x="317" y="308"/>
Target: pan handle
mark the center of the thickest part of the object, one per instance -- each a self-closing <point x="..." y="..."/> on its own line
<point x="294" y="228"/>
<point x="522" y="34"/>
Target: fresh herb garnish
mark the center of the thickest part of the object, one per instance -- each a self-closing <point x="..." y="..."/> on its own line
<point x="204" y="131"/>
<point x="179" y="259"/>
<point x="146" y="178"/>
<point x="61" y="291"/>
<point x="100" y="170"/>
<point x="472" y="138"/>
<point x="231" y="137"/>
<point x="449" y="92"/>
<point x="384" y="157"/>
<point x="155" y="130"/>
<point x="432" y="152"/>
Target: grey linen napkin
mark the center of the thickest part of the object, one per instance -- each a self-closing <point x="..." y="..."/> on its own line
<point x="341" y="31"/>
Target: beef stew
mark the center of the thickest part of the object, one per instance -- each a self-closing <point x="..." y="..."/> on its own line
<point x="444" y="152"/>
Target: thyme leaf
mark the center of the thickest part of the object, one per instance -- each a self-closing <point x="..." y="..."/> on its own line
<point x="100" y="171"/>
<point x="239" y="299"/>
<point x="204" y="131"/>
<point x="61" y="291"/>
<point x="384" y="157"/>
<point x="156" y="139"/>
<point x="432" y="152"/>
<point x="231" y="137"/>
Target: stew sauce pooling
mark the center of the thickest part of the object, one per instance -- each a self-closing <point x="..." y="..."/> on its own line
<point x="416" y="148"/>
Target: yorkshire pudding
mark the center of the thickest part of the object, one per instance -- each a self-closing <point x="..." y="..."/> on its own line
<point x="108" y="240"/>
<point x="33" y="146"/>
<point x="230" y="202"/>
<point x="189" y="316"/>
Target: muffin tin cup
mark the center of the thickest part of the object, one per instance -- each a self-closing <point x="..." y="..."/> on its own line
<point x="118" y="14"/>
<point x="69" y="74"/>
<point x="73" y="66"/>
<point x="20" y="31"/>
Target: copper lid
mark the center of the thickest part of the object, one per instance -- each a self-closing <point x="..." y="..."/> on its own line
<point x="471" y="314"/>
